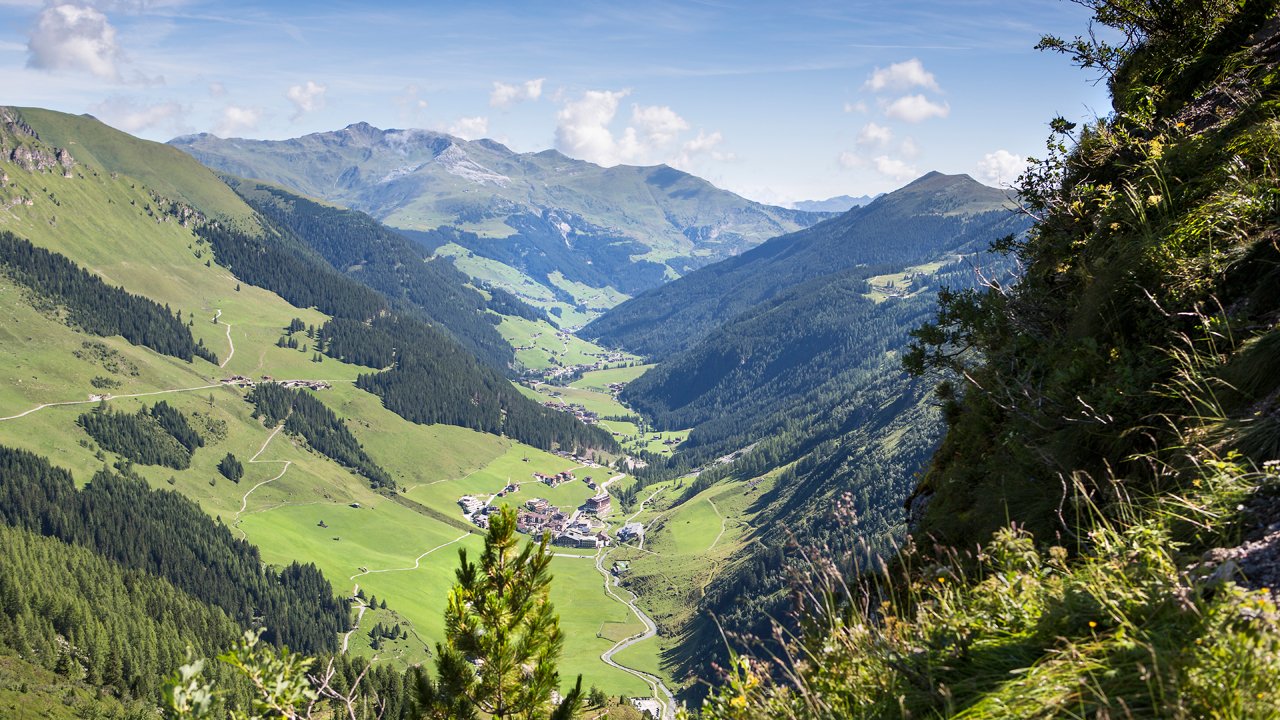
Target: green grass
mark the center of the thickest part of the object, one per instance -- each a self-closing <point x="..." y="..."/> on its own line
<point x="599" y="380"/>
<point x="578" y="594"/>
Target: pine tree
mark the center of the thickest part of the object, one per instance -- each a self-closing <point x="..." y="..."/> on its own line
<point x="502" y="635"/>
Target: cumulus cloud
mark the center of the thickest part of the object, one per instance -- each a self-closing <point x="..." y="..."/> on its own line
<point x="901" y="76"/>
<point x="704" y="144"/>
<point x="505" y="95"/>
<point x="1000" y="167"/>
<point x="582" y="128"/>
<point x="470" y="128"/>
<point x="236" y="119"/>
<point x="133" y="117"/>
<point x="657" y="125"/>
<point x="849" y="160"/>
<point x="654" y="133"/>
<point x="74" y="37"/>
<point x="894" y="168"/>
<point x="873" y="134"/>
<point x="916" y="108"/>
<point x="306" y="98"/>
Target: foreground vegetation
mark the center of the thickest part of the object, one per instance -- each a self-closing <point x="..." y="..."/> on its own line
<point x="1109" y="476"/>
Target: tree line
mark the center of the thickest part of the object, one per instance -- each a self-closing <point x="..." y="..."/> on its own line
<point x="304" y="414"/>
<point x="163" y="533"/>
<point x="96" y="307"/>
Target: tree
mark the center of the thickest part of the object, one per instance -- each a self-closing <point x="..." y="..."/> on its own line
<point x="231" y="468"/>
<point x="502" y="635"/>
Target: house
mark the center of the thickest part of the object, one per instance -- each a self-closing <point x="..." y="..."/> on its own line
<point x="599" y="504"/>
<point x="631" y="531"/>
<point x="537" y="505"/>
<point x="577" y="540"/>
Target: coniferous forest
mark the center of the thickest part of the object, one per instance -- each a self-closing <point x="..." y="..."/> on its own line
<point x="94" y="306"/>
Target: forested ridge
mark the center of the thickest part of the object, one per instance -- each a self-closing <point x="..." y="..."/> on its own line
<point x="70" y="610"/>
<point x="162" y="533"/>
<point x="95" y="307"/>
<point x="397" y="267"/>
<point x="915" y="224"/>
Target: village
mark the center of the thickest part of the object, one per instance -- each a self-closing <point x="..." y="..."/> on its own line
<point x="583" y="527"/>
<point x="246" y="382"/>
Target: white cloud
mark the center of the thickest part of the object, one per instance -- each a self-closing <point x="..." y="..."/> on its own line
<point x="653" y="134"/>
<point x="901" y="76"/>
<point x="306" y="98"/>
<point x="132" y="117"/>
<point x="217" y="89"/>
<point x="505" y="95"/>
<point x="470" y="128"/>
<point x="1000" y="167"/>
<point x="873" y="134"/>
<point x="237" y="119"/>
<point x="894" y="168"/>
<point x="855" y="107"/>
<point x="582" y="127"/>
<point x="703" y="145"/>
<point x="657" y="125"/>
<point x="916" y="108"/>
<point x="849" y="160"/>
<point x="74" y="37"/>
<point x="908" y="147"/>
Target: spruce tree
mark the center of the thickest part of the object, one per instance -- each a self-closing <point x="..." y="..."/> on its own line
<point x="502" y="634"/>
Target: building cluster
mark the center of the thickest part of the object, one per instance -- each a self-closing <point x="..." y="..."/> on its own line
<point x="246" y="382"/>
<point x="538" y="516"/>
<point x="587" y="417"/>
<point x="554" y="480"/>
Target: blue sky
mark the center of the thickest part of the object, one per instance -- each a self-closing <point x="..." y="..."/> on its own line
<point x="778" y="101"/>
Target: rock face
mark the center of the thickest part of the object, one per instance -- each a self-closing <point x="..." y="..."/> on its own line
<point x="16" y="138"/>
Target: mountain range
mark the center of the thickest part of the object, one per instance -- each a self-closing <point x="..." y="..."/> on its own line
<point x="556" y="231"/>
<point x="837" y="204"/>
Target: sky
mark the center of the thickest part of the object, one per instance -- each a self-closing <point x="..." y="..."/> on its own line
<point x="777" y="101"/>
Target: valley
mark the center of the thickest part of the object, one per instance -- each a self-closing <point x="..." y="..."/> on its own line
<point x="699" y="506"/>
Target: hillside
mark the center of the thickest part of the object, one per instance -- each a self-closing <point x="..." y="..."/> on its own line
<point x="1096" y="535"/>
<point x="909" y="226"/>
<point x="137" y="336"/>
<point x="374" y="255"/>
<point x="798" y="401"/>
<point x="554" y="230"/>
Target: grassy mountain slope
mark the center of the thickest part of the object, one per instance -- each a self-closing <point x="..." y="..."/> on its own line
<point x="1096" y="536"/>
<point x="397" y="546"/>
<point x="628" y="228"/>
<point x="909" y="226"/>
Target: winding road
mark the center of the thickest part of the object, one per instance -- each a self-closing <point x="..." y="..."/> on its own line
<point x="665" y="699"/>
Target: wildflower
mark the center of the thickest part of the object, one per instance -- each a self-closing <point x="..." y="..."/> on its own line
<point x="1179" y="124"/>
<point x="1092" y="624"/>
<point x="1154" y="200"/>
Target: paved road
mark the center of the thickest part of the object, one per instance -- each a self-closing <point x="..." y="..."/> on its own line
<point x="654" y="682"/>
